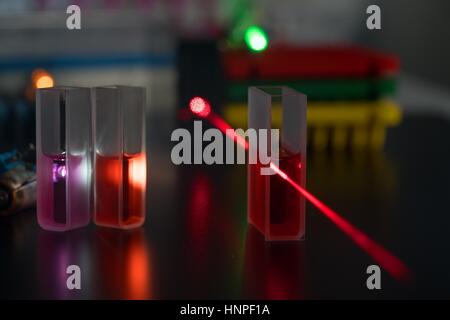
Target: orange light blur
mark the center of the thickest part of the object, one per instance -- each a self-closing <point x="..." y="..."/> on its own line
<point x="42" y="79"/>
<point x="137" y="171"/>
<point x="113" y="170"/>
<point x="44" y="82"/>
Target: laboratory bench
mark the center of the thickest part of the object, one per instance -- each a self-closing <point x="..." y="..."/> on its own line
<point x="196" y="244"/>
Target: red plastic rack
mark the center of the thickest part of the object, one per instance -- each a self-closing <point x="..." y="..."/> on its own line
<point x="308" y="62"/>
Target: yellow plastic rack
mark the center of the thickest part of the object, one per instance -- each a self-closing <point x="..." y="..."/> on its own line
<point x="341" y="124"/>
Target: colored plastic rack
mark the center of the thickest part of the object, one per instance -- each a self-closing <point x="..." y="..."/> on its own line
<point x="323" y="89"/>
<point x="336" y="125"/>
<point x="307" y="62"/>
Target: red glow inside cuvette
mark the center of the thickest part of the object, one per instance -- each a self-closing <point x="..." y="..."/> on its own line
<point x="120" y="190"/>
<point x="277" y="212"/>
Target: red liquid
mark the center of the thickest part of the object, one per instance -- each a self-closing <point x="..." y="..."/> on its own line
<point x="120" y="191"/>
<point x="274" y="207"/>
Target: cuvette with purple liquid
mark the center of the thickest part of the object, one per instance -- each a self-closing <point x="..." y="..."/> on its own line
<point x="63" y="135"/>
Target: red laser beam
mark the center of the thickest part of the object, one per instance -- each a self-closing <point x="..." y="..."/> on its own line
<point x="219" y="123"/>
<point x="393" y="265"/>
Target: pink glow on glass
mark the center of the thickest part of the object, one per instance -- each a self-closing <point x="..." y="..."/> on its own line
<point x="200" y="107"/>
<point x="59" y="171"/>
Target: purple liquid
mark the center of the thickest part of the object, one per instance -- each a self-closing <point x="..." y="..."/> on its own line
<point x="59" y="190"/>
<point x="63" y="192"/>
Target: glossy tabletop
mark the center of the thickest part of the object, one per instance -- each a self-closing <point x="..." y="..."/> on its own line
<point x="196" y="242"/>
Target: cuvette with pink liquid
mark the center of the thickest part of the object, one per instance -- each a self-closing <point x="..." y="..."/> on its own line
<point x="63" y="135"/>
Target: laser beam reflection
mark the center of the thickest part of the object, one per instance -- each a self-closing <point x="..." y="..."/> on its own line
<point x="394" y="266"/>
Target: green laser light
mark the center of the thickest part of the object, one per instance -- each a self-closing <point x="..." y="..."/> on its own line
<point x="256" y="39"/>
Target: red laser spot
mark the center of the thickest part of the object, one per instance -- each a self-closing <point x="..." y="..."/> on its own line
<point x="200" y="106"/>
<point x="394" y="266"/>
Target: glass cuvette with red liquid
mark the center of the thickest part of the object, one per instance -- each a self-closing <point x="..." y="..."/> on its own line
<point x="119" y="157"/>
<point x="63" y="135"/>
<point x="274" y="207"/>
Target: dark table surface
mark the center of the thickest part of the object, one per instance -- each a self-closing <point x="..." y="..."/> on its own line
<point x="196" y="242"/>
